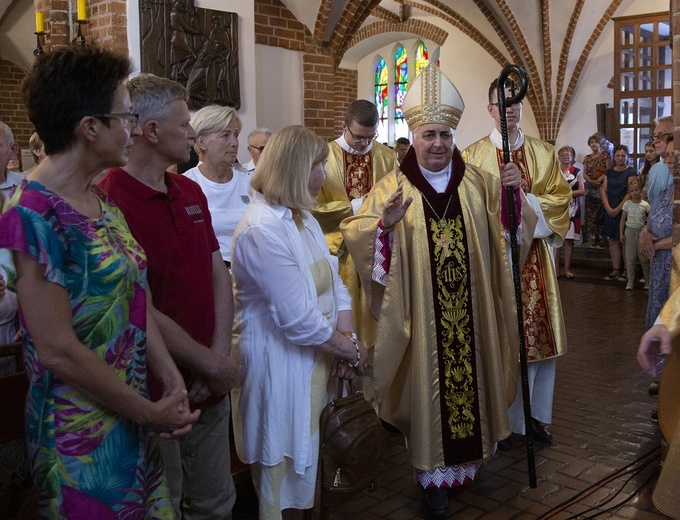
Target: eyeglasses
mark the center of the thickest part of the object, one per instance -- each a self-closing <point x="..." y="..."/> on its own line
<point x="514" y="105"/>
<point x="258" y="148"/>
<point x="564" y="154"/>
<point x="658" y="137"/>
<point x="130" y="120"/>
<point x="360" y="139"/>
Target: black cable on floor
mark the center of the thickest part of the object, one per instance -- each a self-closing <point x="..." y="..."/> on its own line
<point x="596" y="485"/>
<point x="633" y="495"/>
<point x="635" y="472"/>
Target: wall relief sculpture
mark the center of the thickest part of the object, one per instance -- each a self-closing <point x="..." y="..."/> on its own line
<point x="198" y="48"/>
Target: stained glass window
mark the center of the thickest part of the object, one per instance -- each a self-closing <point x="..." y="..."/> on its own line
<point x="422" y="58"/>
<point x="400" y="88"/>
<point x="381" y="99"/>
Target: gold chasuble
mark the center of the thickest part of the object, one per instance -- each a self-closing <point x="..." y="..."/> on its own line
<point x="349" y="177"/>
<point x="544" y="330"/>
<point x="446" y="344"/>
<point x="665" y="493"/>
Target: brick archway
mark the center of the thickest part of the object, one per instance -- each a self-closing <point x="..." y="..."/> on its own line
<point x="420" y="28"/>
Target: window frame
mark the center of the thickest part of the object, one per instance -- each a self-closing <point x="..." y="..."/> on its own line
<point x="640" y="62"/>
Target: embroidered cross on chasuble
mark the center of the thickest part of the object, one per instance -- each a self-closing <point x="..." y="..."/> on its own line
<point x="450" y="273"/>
<point x="538" y="332"/>
<point x="358" y="174"/>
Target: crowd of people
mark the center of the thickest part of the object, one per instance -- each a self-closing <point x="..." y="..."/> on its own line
<point x="238" y="294"/>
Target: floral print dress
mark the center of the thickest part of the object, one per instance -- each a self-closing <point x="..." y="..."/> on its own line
<point x="87" y="461"/>
<point x="660" y="224"/>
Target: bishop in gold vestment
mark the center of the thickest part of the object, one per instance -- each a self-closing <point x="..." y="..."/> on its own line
<point x="549" y="194"/>
<point x="439" y="286"/>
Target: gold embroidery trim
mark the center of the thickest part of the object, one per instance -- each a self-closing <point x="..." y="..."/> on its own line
<point x="453" y="298"/>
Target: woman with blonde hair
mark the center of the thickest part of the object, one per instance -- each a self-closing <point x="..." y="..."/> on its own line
<point x="293" y="323"/>
<point x="222" y="182"/>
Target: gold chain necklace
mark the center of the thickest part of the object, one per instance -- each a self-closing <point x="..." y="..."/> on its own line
<point x="441" y="220"/>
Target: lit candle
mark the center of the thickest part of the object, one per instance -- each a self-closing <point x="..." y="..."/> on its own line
<point x="39" y="22"/>
<point x="82" y="11"/>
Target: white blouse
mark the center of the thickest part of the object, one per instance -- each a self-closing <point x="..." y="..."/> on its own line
<point x="277" y="322"/>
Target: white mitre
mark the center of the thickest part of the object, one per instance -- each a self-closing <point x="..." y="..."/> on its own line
<point x="432" y="98"/>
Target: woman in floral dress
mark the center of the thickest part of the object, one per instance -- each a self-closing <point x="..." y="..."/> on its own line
<point x="594" y="166"/>
<point x="81" y="281"/>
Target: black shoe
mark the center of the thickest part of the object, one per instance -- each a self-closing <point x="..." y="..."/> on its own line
<point x="539" y="433"/>
<point x="436" y="502"/>
<point x="505" y="444"/>
<point x="653" y="388"/>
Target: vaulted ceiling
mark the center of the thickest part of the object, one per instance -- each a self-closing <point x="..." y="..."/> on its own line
<point x="4" y="4"/>
<point x="551" y="39"/>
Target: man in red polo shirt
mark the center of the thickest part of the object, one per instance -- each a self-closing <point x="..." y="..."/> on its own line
<point x="191" y="289"/>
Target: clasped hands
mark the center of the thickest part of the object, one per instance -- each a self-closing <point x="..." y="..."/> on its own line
<point x="342" y="369"/>
<point x="224" y="376"/>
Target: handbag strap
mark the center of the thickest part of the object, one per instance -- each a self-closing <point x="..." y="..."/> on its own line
<point x="341" y="387"/>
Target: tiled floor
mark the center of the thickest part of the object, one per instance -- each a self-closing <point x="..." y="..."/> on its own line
<point x="601" y="425"/>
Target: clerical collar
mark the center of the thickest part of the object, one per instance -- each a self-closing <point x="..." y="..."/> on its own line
<point x="497" y="140"/>
<point x="438" y="180"/>
<point x="343" y="144"/>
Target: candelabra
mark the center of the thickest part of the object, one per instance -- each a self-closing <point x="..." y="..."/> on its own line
<point x="38" y="46"/>
<point x="80" y="39"/>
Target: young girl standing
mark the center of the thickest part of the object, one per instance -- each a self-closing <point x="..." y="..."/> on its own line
<point x="633" y="218"/>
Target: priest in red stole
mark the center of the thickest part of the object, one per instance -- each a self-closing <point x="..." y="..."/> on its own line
<point x="356" y="161"/>
<point x="436" y="276"/>
<point x="549" y="195"/>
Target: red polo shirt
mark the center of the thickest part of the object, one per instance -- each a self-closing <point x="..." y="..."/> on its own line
<point x="175" y="230"/>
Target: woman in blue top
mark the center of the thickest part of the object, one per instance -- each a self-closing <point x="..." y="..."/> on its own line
<point x="614" y="193"/>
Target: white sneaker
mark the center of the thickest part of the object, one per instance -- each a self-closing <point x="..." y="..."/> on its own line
<point x="629" y="286"/>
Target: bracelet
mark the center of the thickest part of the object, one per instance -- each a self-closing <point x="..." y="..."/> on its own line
<point x="353" y="336"/>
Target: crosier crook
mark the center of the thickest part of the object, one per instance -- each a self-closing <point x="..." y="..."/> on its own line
<point x="512" y="219"/>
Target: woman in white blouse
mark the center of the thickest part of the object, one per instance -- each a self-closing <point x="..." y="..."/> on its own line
<point x="293" y="324"/>
<point x="222" y="182"/>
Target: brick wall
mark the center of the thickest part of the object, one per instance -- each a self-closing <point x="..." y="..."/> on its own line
<point x="345" y="87"/>
<point x="318" y="97"/>
<point x="275" y="25"/>
<point x="107" y="26"/>
<point x="12" y="109"/>
<point x="107" y="23"/>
